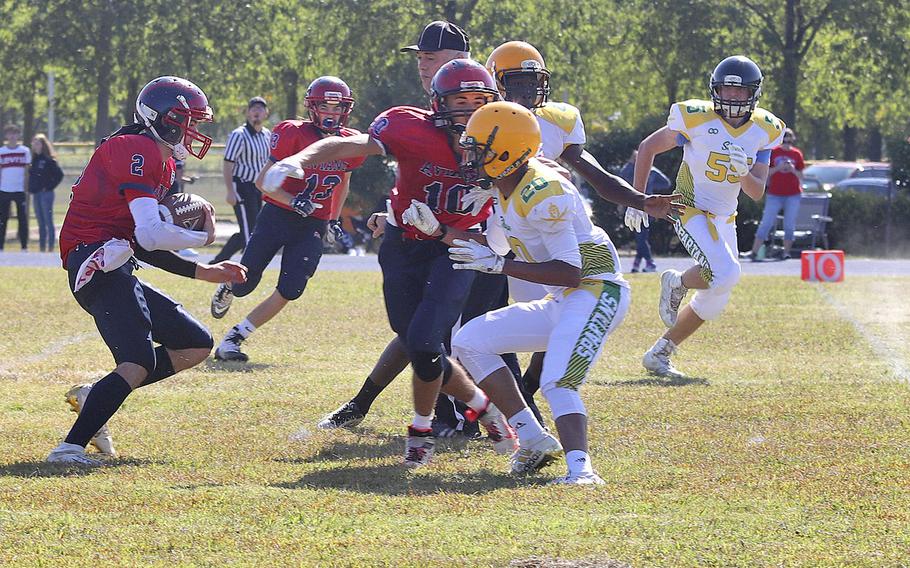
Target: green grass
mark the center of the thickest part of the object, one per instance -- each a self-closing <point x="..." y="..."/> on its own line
<point x="789" y="448"/>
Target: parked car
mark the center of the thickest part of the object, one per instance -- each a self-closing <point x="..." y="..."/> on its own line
<point x="822" y="176"/>
<point x="872" y="170"/>
<point x="881" y="187"/>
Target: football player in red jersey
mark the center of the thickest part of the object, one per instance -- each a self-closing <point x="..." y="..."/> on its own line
<point x="112" y="218"/>
<point x="424" y="296"/>
<point x="296" y="215"/>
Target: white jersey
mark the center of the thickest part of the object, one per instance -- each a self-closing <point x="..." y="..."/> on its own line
<point x="704" y="177"/>
<point x="544" y="219"/>
<point x="560" y="127"/>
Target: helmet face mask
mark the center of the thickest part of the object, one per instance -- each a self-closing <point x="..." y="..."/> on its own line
<point x="453" y="91"/>
<point x="521" y="73"/>
<point x="329" y="102"/>
<point x="499" y="139"/>
<point x="171" y="108"/>
<point x="735" y="71"/>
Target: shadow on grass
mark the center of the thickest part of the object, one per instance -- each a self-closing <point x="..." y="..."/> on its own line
<point x="376" y="446"/>
<point x="39" y="469"/>
<point x="396" y="479"/>
<point x="653" y="381"/>
<point x="234" y="366"/>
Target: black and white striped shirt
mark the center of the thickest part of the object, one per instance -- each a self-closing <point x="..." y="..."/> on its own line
<point x="249" y="151"/>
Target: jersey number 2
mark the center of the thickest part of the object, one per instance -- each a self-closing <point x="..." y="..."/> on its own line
<point x="138" y="160"/>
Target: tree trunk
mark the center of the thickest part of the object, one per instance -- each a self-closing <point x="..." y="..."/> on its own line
<point x="129" y="104"/>
<point x="874" y="144"/>
<point x="849" y="137"/>
<point x="291" y="80"/>
<point x="103" y="73"/>
<point x="28" y="113"/>
<point x="788" y="82"/>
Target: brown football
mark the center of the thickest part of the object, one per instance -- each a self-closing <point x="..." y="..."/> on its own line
<point x="186" y="210"/>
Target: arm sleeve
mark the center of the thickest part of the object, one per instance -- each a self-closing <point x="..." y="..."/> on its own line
<point x="800" y="164"/>
<point x="763" y="157"/>
<point x="577" y="136"/>
<point x="553" y="217"/>
<point x="232" y="147"/>
<point x="166" y="260"/>
<point x="154" y="234"/>
<point x="28" y="156"/>
<point x="284" y="141"/>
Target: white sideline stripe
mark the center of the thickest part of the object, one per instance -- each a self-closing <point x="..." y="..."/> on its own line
<point x="882" y="350"/>
<point x="49" y="351"/>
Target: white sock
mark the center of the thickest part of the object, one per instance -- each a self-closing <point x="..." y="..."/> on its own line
<point x="526" y="426"/>
<point x="422" y="422"/>
<point x="245" y="328"/>
<point x="579" y="462"/>
<point x="479" y="402"/>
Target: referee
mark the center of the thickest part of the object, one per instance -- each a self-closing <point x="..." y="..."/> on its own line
<point x="245" y="153"/>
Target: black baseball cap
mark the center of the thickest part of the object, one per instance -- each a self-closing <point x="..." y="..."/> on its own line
<point x="440" y="35"/>
<point x="257" y="101"/>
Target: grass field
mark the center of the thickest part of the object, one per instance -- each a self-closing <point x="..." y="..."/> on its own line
<point x="789" y="448"/>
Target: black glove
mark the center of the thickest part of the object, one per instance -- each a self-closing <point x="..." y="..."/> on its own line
<point x="335" y="232"/>
<point x="303" y="206"/>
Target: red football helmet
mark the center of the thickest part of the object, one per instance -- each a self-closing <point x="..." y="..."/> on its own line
<point x="328" y="89"/>
<point x="459" y="76"/>
<point x="170" y="107"/>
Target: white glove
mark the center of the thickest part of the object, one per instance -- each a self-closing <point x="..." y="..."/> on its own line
<point x="278" y="173"/>
<point x="421" y="217"/>
<point x="739" y="164"/>
<point x="635" y="218"/>
<point x="477" y="198"/>
<point x="471" y="255"/>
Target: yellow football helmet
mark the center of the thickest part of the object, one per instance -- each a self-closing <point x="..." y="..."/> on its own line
<point x="521" y="74"/>
<point x="499" y="138"/>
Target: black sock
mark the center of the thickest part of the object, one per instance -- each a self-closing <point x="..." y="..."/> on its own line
<point x="368" y="393"/>
<point x="164" y="368"/>
<point x="102" y="402"/>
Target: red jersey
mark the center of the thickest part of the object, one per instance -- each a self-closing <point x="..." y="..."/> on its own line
<point x="121" y="169"/>
<point x="292" y="136"/>
<point x="785" y="183"/>
<point x="428" y="169"/>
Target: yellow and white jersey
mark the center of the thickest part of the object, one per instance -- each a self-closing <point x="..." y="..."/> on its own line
<point x="544" y="219"/>
<point x="560" y="126"/>
<point x="704" y="177"/>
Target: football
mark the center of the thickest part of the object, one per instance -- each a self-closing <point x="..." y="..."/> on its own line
<point x="186" y="210"/>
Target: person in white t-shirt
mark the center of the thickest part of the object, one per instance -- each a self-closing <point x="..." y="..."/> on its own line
<point x="14" y="161"/>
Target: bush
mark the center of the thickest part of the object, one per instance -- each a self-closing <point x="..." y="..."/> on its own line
<point x="870" y="225"/>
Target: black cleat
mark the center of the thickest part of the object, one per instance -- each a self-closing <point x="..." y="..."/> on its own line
<point x="347" y="415"/>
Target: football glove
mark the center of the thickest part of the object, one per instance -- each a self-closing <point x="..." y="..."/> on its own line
<point x="477" y="198"/>
<point x="302" y="205"/>
<point x="421" y="217"/>
<point x="739" y="163"/>
<point x="335" y="233"/>
<point x="471" y="255"/>
<point x="276" y="175"/>
<point x="635" y="218"/>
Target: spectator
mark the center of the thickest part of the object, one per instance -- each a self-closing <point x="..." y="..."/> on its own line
<point x="14" y="159"/>
<point x="246" y="151"/>
<point x="657" y="183"/>
<point x="784" y="191"/>
<point x="44" y="175"/>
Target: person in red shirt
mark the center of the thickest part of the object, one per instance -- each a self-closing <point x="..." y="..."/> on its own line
<point x="296" y="216"/>
<point x="113" y="220"/>
<point x="424" y="295"/>
<point x="784" y="191"/>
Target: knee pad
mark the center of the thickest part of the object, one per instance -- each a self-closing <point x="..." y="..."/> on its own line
<point x="478" y="365"/>
<point x="290" y="293"/>
<point x="428" y="366"/>
<point x="563" y="400"/>
<point x="724" y="280"/>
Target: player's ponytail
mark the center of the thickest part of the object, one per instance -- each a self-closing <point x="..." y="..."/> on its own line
<point x="134" y="128"/>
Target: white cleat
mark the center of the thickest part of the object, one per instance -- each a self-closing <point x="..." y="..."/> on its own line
<point x="657" y="359"/>
<point x="578" y="479"/>
<point x="419" y="448"/>
<point x="71" y="454"/>
<point x="221" y="301"/>
<point x="536" y="454"/>
<point x="672" y="293"/>
<point x="102" y="440"/>
<point x="499" y="432"/>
